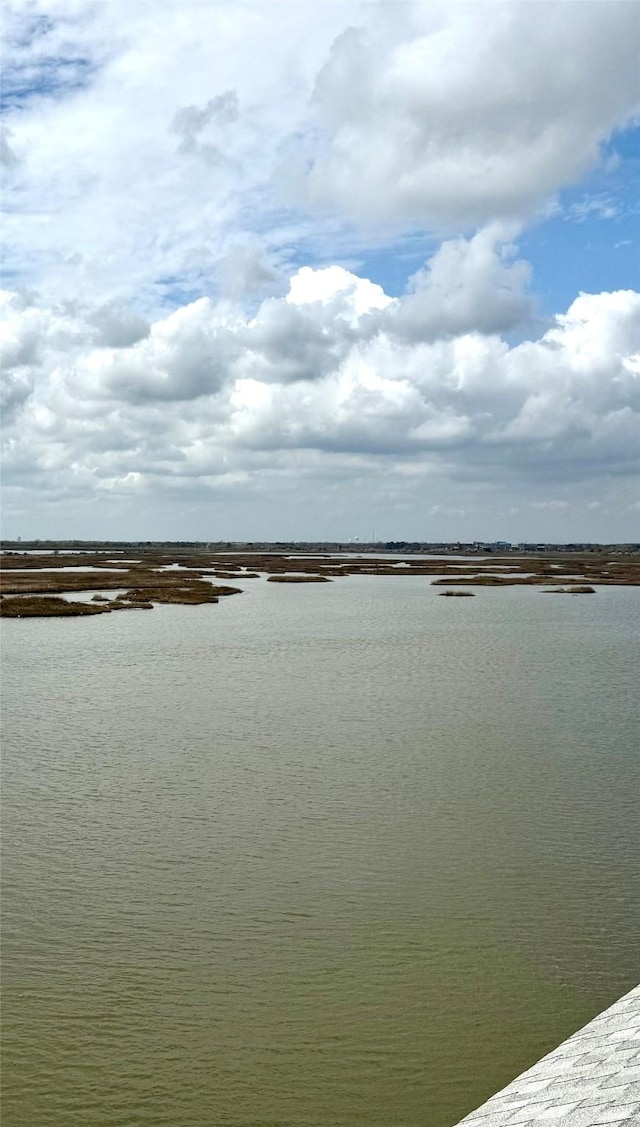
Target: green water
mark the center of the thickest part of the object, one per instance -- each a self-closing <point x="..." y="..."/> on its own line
<point x="313" y="857"/>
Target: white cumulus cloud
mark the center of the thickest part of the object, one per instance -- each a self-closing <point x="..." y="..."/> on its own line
<point x="326" y="374"/>
<point x="462" y="114"/>
<point x="213" y="215"/>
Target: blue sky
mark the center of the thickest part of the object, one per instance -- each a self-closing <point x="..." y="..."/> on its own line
<point x="591" y="244"/>
<point x="278" y="268"/>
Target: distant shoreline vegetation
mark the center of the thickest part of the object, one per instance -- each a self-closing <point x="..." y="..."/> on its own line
<point x="318" y="547"/>
<point x="33" y="582"/>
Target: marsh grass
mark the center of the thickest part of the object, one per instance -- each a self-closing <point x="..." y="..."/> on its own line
<point x="298" y="579"/>
<point x="579" y="590"/>
<point x="458" y="594"/>
<point x="30" y="589"/>
<point x="46" y="607"/>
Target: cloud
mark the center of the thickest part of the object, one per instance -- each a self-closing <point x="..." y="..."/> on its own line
<point x="466" y="114"/>
<point x="191" y="122"/>
<point x="246" y="271"/>
<point x="592" y="207"/>
<point x="310" y="333"/>
<point x="117" y="326"/>
<point x="140" y="172"/>
<point x="336" y="290"/>
<point x="468" y="285"/>
<point x="15" y="388"/>
<point x="280" y="127"/>
<point x="318" y="375"/>
<point x="8" y="158"/>
<point x="328" y="316"/>
<point x="210" y="296"/>
<point x="184" y="356"/>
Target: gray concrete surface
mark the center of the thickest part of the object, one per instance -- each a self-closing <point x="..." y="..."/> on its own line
<point x="592" y="1078"/>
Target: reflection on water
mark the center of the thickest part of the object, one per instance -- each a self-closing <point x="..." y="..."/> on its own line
<point x="315" y="856"/>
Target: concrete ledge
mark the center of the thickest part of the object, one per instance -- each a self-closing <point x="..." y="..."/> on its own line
<point x="591" y="1079"/>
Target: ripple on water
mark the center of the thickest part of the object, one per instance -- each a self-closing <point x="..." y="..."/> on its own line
<point x="321" y="855"/>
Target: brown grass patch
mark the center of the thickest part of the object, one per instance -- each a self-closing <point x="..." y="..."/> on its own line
<point x="144" y="582"/>
<point x="298" y="579"/>
<point x="580" y="590"/>
<point x="46" y="607"/>
<point x="192" y="594"/>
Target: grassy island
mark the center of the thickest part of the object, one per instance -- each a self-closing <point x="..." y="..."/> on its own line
<point x="32" y="582"/>
<point x="584" y="590"/>
<point x="298" y="579"/>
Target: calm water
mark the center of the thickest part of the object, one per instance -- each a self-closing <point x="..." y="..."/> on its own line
<point x="316" y="856"/>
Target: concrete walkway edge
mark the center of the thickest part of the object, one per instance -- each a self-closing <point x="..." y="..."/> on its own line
<point x="593" y="1078"/>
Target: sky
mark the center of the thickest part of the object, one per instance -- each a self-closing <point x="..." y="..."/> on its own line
<point x="321" y="270"/>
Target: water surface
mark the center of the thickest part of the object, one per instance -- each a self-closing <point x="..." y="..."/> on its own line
<point x="316" y="856"/>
